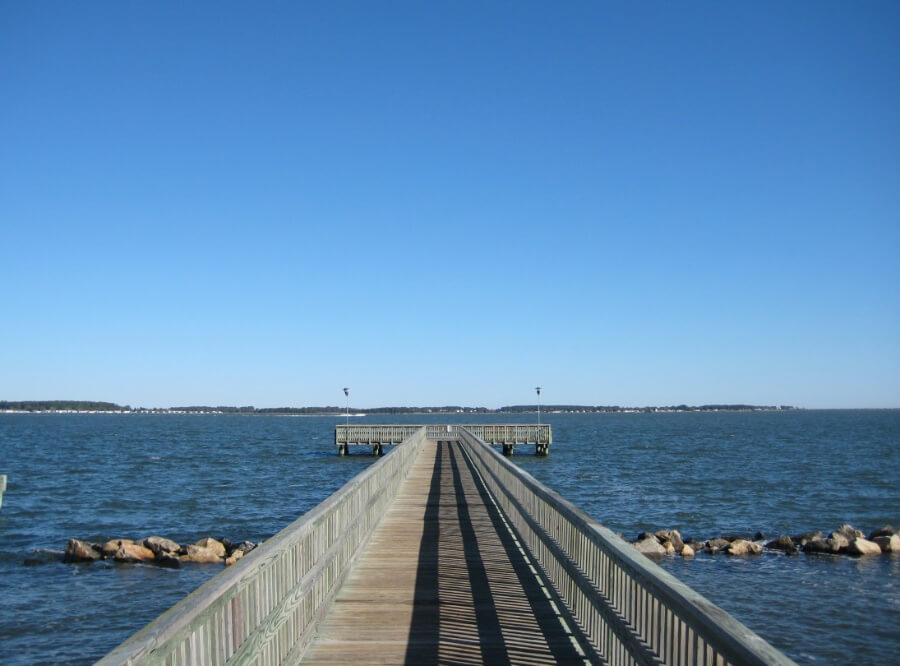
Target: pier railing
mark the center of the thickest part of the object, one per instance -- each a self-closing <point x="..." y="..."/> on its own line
<point x="264" y="609"/>
<point x="507" y="434"/>
<point x="373" y="434"/>
<point x="632" y="610"/>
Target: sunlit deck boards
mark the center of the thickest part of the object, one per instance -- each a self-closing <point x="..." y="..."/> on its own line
<point x="444" y="581"/>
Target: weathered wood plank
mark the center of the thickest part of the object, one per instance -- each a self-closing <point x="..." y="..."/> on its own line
<point x="440" y="584"/>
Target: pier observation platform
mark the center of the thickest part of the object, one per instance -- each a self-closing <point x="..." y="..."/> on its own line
<point x="444" y="552"/>
<point x="507" y="435"/>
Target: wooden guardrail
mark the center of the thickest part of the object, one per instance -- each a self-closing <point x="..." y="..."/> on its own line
<point x="506" y="434"/>
<point x="632" y="610"/>
<point x="264" y="609"/>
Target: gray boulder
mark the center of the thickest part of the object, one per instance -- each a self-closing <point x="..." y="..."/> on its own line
<point x="840" y="541"/>
<point x="743" y="547"/>
<point x="783" y="543"/>
<point x="244" y="546"/>
<point x="716" y="545"/>
<point x="850" y="532"/>
<point x="802" y="539"/>
<point x="168" y="560"/>
<point x="820" y="545"/>
<point x="110" y="547"/>
<point x="651" y="548"/>
<point x="212" y="545"/>
<point x="160" y="545"/>
<point x="202" y="555"/>
<point x="80" y="551"/>
<point x="887" y="531"/>
<point x="861" y="546"/>
<point x="133" y="552"/>
<point x="888" y="544"/>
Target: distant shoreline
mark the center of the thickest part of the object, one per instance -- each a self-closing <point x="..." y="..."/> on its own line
<point x="87" y="407"/>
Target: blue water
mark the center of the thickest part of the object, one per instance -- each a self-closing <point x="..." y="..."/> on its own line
<point x="245" y="477"/>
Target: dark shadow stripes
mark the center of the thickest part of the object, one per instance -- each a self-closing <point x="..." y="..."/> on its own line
<point x="490" y="636"/>
<point x="425" y="628"/>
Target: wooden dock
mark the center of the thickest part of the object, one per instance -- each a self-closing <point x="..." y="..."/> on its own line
<point x="444" y="552"/>
<point x="444" y="580"/>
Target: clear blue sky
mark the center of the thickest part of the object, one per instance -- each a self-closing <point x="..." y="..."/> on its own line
<point x="450" y="203"/>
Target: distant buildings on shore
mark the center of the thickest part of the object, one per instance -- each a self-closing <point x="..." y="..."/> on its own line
<point x="87" y="407"/>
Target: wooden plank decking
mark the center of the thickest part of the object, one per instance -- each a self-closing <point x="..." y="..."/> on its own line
<point x="445" y="581"/>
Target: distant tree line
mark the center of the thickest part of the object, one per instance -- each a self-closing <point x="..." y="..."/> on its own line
<point x="62" y="405"/>
<point x="94" y="406"/>
<point x="514" y="409"/>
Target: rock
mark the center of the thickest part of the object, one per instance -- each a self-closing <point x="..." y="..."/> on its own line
<point x="802" y="539"/>
<point x="850" y="532"/>
<point x="887" y="531"/>
<point x="821" y="545"/>
<point x="687" y="551"/>
<point x="234" y="557"/>
<point x="839" y="541"/>
<point x="784" y="543"/>
<point x="669" y="548"/>
<point x="862" y="546"/>
<point x="651" y="548"/>
<point x="716" y="545"/>
<point x="133" y="552"/>
<point x="160" y="545"/>
<point x="215" y="546"/>
<point x="677" y="541"/>
<point x="888" y="544"/>
<point x="743" y="547"/>
<point x="244" y="546"/>
<point x="80" y="551"/>
<point x="643" y="536"/>
<point x="759" y="536"/>
<point x="696" y="546"/>
<point x="111" y="546"/>
<point x="169" y="560"/>
<point x="201" y="554"/>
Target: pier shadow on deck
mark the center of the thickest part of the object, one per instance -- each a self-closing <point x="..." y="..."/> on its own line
<point x="462" y="574"/>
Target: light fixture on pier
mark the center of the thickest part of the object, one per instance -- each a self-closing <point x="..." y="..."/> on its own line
<point x="538" y="389"/>
<point x="347" y="395"/>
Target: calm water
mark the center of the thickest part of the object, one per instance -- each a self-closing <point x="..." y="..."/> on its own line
<point x="245" y="477"/>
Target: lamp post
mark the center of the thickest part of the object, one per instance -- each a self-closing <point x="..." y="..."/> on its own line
<point x="538" y="389"/>
<point x="347" y="417"/>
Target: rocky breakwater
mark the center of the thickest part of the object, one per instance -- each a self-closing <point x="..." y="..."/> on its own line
<point x="158" y="550"/>
<point x="845" y="540"/>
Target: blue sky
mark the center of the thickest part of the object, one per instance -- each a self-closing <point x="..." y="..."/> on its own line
<point x="450" y="203"/>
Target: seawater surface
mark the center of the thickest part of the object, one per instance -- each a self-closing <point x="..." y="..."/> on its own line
<point x="99" y="476"/>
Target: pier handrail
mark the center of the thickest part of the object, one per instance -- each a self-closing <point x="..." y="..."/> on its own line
<point x="494" y="433"/>
<point x="264" y="608"/>
<point x="632" y="610"/>
<point x="368" y="433"/>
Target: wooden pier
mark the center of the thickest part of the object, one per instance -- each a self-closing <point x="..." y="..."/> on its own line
<point x="443" y="551"/>
<point x="444" y="580"/>
<point x="506" y="435"/>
